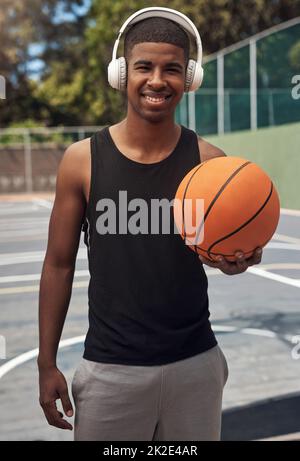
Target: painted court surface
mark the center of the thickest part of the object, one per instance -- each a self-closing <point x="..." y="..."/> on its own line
<point x="255" y="315"/>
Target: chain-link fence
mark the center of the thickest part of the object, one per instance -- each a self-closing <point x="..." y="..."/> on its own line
<point x="29" y="157"/>
<point x="248" y="85"/>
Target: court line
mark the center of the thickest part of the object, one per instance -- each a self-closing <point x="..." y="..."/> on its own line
<point x="275" y="277"/>
<point x="15" y="211"/>
<point x="43" y="203"/>
<point x="288" y="212"/>
<point x="282" y="246"/>
<point x="262" y="273"/>
<point x="35" y="288"/>
<point x="21" y="221"/>
<point x="31" y="277"/>
<point x="85" y="273"/>
<point x="274" y="266"/>
<point x="294" y="436"/>
<point x="7" y="259"/>
<point x="259" y="332"/>
<point x="33" y="256"/>
<point x="23" y="358"/>
<point x="284" y="266"/>
<point x="22" y="232"/>
<point x="286" y="238"/>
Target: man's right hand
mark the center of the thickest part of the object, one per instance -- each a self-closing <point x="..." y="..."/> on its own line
<point x="53" y="386"/>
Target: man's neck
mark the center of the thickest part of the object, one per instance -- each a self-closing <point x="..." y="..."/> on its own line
<point x="152" y="138"/>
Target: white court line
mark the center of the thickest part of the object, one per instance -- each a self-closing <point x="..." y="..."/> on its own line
<point x="33" y="256"/>
<point x="254" y="271"/>
<point x="262" y="272"/>
<point x="30" y="277"/>
<point x="43" y="203"/>
<point x="15" y="211"/>
<point x="6" y="227"/>
<point x="258" y="332"/>
<point x="267" y="267"/>
<point x="282" y="246"/>
<point x="36" y="288"/>
<point x="288" y="212"/>
<point x="23" y="358"/>
<point x="275" y="277"/>
<point x="278" y="266"/>
<point x="286" y="238"/>
<point x="22" y="233"/>
<point x="294" y="436"/>
<point x="7" y="259"/>
<point x="22" y="221"/>
<point x="224" y="328"/>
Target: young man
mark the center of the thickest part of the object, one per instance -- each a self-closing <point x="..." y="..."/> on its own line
<point x="152" y="369"/>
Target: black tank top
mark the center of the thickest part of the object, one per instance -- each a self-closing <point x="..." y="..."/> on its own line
<point x="148" y="301"/>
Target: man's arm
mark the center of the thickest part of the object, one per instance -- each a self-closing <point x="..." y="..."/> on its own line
<point x="56" y="281"/>
<point x="209" y="151"/>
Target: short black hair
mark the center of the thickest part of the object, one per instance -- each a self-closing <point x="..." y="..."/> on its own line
<point x="157" y="30"/>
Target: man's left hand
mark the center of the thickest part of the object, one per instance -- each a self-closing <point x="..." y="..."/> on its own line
<point x="237" y="267"/>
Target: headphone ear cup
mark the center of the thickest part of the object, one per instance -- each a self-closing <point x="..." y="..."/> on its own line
<point x="122" y="73"/>
<point x="194" y="76"/>
<point x="116" y="73"/>
<point x="113" y="74"/>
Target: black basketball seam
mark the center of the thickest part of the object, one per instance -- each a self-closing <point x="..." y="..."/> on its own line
<point x="218" y="254"/>
<point x="244" y="224"/>
<point x="218" y="194"/>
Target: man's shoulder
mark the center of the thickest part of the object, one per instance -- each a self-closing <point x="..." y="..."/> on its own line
<point x="77" y="155"/>
<point x="75" y="163"/>
<point x="78" y="149"/>
<point x="208" y="150"/>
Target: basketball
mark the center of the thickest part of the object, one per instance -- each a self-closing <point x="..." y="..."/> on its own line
<point x="240" y="208"/>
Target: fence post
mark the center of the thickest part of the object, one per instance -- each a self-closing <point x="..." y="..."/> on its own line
<point x="192" y="110"/>
<point x="253" y="85"/>
<point x="220" y="78"/>
<point x="80" y="134"/>
<point x="28" y="161"/>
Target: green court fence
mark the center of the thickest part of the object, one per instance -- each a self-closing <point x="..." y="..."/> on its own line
<point x="248" y="85"/>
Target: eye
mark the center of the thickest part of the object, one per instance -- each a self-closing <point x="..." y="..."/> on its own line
<point x="173" y="70"/>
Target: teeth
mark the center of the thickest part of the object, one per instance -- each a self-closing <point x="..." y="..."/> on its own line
<point x="154" y="99"/>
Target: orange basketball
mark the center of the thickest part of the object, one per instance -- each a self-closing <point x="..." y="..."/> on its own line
<point x="240" y="208"/>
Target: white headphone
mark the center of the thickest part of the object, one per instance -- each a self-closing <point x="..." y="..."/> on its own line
<point x="117" y="71"/>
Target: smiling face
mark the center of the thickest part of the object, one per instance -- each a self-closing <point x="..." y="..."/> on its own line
<point x="156" y="76"/>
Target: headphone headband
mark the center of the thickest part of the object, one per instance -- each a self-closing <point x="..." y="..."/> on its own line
<point x="167" y="13"/>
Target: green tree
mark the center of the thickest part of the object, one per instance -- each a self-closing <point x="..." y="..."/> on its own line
<point x="73" y="88"/>
<point x="33" y="22"/>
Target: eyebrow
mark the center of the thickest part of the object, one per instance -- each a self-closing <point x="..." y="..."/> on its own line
<point x="149" y="63"/>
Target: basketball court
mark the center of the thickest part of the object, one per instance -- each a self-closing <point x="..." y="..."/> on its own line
<point x="255" y="315"/>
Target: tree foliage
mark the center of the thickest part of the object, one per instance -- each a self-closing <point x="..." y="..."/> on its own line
<point x="73" y="87"/>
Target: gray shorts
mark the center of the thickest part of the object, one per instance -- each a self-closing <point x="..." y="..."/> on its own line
<point x="177" y="401"/>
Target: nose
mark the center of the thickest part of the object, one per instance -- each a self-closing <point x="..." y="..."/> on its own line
<point x="156" y="79"/>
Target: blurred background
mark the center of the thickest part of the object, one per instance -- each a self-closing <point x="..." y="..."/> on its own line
<point x="54" y="91"/>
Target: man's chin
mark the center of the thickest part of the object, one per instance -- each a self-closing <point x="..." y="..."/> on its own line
<point x="155" y="117"/>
